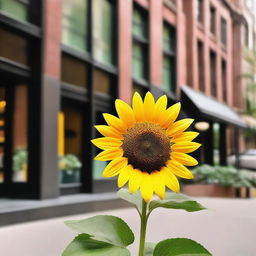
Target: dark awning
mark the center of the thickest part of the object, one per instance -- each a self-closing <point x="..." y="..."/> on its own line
<point x="198" y="103"/>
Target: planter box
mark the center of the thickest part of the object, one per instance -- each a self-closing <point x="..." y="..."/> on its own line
<point x="209" y="190"/>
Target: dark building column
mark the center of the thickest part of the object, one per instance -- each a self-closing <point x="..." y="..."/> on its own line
<point x="223" y="145"/>
<point x="50" y="99"/>
<point x="208" y="136"/>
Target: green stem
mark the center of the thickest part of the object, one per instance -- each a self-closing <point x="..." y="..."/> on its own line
<point x="143" y="228"/>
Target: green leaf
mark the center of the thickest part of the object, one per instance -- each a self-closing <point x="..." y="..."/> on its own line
<point x="104" y="228"/>
<point x="176" y="201"/>
<point x="149" y="249"/>
<point x="134" y="199"/>
<point x="84" y="245"/>
<point x="181" y="247"/>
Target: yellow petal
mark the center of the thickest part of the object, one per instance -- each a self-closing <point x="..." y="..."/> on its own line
<point x="170" y="180"/>
<point x="185" y="136"/>
<point x="124" y="176"/>
<point x="179" y="126"/>
<point x="184" y="158"/>
<point x="107" y="142"/>
<point x="109" y="154"/>
<point x="138" y="109"/>
<point x="114" y="167"/>
<point x="179" y="170"/>
<point x="149" y="107"/>
<point x="146" y="187"/>
<point x="160" y="108"/>
<point x="125" y="112"/>
<point x="185" y="147"/>
<point x="115" y="122"/>
<point x="170" y="115"/>
<point x="135" y="181"/>
<point x="158" y="183"/>
<point x="108" y="131"/>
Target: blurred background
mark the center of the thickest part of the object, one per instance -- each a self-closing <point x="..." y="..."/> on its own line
<point x="64" y="62"/>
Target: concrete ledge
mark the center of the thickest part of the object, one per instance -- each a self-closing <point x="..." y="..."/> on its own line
<point x="17" y="211"/>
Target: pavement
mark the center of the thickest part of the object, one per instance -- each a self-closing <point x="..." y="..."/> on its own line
<point x="227" y="228"/>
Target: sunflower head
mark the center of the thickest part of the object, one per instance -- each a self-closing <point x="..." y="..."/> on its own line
<point x="146" y="146"/>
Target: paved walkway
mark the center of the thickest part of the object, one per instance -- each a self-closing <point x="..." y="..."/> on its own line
<point x="228" y="228"/>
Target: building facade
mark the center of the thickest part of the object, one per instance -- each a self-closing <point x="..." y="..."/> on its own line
<point x="63" y="63"/>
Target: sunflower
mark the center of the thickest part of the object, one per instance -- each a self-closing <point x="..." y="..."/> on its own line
<point x="147" y="147"/>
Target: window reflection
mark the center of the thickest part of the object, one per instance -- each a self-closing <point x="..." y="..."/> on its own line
<point x="70" y="147"/>
<point x="20" y="135"/>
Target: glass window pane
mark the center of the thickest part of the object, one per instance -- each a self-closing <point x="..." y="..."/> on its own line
<point x="74" y="23"/>
<point x="70" y="153"/>
<point x="102" y="82"/>
<point x="20" y="135"/>
<point x="98" y="166"/>
<point x="139" y="23"/>
<point x="13" y="47"/>
<point x="139" y="61"/>
<point x="103" y="31"/>
<point x="141" y="90"/>
<point x="2" y="133"/>
<point x="167" y="73"/>
<point x="15" y="8"/>
<point x="73" y="71"/>
<point x="167" y="42"/>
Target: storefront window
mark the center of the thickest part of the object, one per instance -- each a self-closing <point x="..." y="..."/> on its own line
<point x="73" y="71"/>
<point x="75" y="23"/>
<point x="16" y="8"/>
<point x="2" y="132"/>
<point x="103" y="42"/>
<point x="98" y="166"/>
<point x="13" y="47"/>
<point x="70" y="145"/>
<point x="20" y="135"/>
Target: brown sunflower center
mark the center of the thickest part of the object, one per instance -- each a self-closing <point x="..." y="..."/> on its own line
<point x="146" y="146"/>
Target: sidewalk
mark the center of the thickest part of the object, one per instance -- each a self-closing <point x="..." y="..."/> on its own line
<point x="228" y="228"/>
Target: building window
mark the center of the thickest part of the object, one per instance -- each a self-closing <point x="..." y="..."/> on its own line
<point x="20" y="134"/>
<point x="224" y="80"/>
<point x="212" y="20"/>
<point x="200" y="60"/>
<point x="102" y="82"/>
<point x="16" y="8"/>
<point x="223" y="30"/>
<point x="70" y="147"/>
<point x="103" y="32"/>
<point x="75" y="24"/>
<point x="245" y="36"/>
<point x="168" y="58"/>
<point x="13" y="47"/>
<point x="73" y="71"/>
<point x="213" y="73"/>
<point x="200" y="11"/>
<point x="140" y="44"/>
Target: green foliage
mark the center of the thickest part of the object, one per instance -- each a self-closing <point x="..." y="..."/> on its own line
<point x="180" y="246"/>
<point x="20" y="157"/>
<point x="69" y="162"/>
<point x="176" y="201"/>
<point x="224" y="175"/>
<point x="104" y="228"/>
<point x="84" y="245"/>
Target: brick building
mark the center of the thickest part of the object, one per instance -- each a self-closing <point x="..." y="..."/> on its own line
<point x="63" y="63"/>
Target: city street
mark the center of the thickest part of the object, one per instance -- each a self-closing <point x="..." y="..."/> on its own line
<point x="226" y="229"/>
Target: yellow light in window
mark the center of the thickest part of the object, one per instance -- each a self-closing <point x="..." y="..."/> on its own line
<point x="1" y="139"/>
<point x="2" y="105"/>
<point x="1" y="122"/>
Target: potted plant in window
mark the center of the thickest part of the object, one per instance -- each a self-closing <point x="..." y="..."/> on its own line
<point x="216" y="181"/>
<point x="69" y="166"/>
<point x="20" y="158"/>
